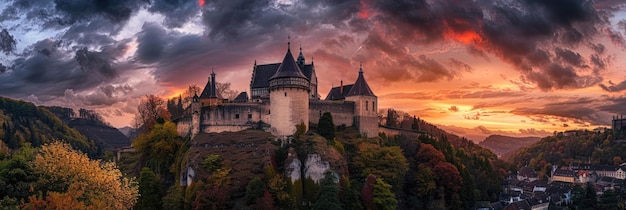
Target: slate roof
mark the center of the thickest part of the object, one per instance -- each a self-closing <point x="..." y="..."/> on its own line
<point x="241" y="98"/>
<point x="262" y="74"/>
<point x="360" y="87"/>
<point x="527" y="172"/>
<point x="336" y="94"/>
<point x="208" y="91"/>
<point x="519" y="205"/>
<point x="564" y="172"/>
<point x="288" y="68"/>
<point x="307" y="71"/>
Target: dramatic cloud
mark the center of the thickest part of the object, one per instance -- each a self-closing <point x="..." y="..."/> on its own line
<point x="107" y="54"/>
<point x="7" y="42"/>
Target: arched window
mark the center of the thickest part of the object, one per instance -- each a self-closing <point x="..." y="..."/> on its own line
<point x="366" y="105"/>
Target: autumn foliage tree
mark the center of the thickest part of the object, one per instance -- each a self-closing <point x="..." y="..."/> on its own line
<point x="69" y="174"/>
<point x="158" y="148"/>
<point x="151" y="110"/>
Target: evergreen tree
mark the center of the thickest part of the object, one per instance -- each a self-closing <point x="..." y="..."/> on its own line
<point x="608" y="200"/>
<point x="328" y="199"/>
<point x="149" y="190"/>
<point x="383" y="197"/>
<point x="590" y="201"/>
<point x="349" y="194"/>
<point x="326" y="126"/>
<point x="254" y="190"/>
<point x="415" y="125"/>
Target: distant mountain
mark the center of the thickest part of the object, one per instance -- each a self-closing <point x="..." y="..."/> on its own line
<point x="128" y="131"/>
<point x="503" y="145"/>
<point x="91" y="125"/>
<point x="23" y="122"/>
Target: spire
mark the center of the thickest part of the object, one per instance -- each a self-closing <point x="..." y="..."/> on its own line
<point x="212" y="94"/>
<point x="361" y="68"/>
<point x="300" y="60"/>
<point x="289" y="44"/>
<point x="360" y="87"/>
<point x="288" y="68"/>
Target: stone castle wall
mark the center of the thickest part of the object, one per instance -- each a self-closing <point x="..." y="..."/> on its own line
<point x="342" y="111"/>
<point x="233" y="114"/>
<point x="367" y="125"/>
<point x="288" y="107"/>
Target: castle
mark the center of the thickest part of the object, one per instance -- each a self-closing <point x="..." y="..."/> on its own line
<point x="283" y="95"/>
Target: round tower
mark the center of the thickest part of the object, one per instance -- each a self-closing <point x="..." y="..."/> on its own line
<point x="289" y="97"/>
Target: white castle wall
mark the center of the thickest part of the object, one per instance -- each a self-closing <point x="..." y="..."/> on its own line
<point x="366" y="114"/>
<point x="288" y="107"/>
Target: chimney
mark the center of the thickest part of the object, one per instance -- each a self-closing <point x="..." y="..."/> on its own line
<point x="341" y="87"/>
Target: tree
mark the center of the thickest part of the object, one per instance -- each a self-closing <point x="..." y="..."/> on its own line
<point x="383" y="197"/>
<point x="63" y="169"/>
<point x="328" y="199"/>
<point x="608" y="200"/>
<point x="392" y="118"/>
<point x="426" y="185"/>
<point x="350" y="195"/>
<point x="150" y="110"/>
<point x="254" y="190"/>
<point x="326" y="127"/>
<point x="158" y="149"/>
<point x="387" y="163"/>
<point x="415" y="125"/>
<point x="223" y="89"/>
<point x="150" y="190"/>
<point x="212" y="163"/>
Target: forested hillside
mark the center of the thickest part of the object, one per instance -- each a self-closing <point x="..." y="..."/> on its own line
<point x="385" y="172"/>
<point x="600" y="146"/>
<point x="91" y="125"/>
<point x="503" y="146"/>
<point x="23" y="122"/>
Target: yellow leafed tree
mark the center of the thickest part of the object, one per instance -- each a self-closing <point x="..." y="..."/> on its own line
<point x="100" y="184"/>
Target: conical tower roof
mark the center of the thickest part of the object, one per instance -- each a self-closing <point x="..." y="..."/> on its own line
<point x="288" y="68"/>
<point x="360" y="87"/>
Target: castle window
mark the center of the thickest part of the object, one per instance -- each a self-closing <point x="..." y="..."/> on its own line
<point x="249" y="116"/>
<point x="373" y="106"/>
<point x="236" y="116"/>
<point x="285" y="93"/>
<point x="366" y="105"/>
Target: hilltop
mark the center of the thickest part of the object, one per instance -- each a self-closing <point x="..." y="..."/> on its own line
<point x="23" y="122"/>
<point x="91" y="125"/>
<point x="600" y="146"/>
<point x="504" y="145"/>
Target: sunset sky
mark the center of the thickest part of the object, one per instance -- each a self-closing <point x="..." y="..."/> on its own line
<point x="474" y="68"/>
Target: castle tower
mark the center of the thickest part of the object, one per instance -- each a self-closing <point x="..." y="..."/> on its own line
<point x="289" y="97"/>
<point x="196" y="110"/>
<point x="366" y="106"/>
<point x="209" y="94"/>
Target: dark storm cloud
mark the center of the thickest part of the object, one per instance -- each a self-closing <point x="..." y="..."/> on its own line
<point x="612" y="87"/>
<point x="7" y="42"/>
<point x="116" y="10"/>
<point x="176" y="12"/>
<point x="96" y="32"/>
<point x="581" y="109"/>
<point x="152" y="41"/>
<point x="48" y="71"/>
<point x="615" y="106"/>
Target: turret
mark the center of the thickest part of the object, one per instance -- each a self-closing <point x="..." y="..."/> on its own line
<point x="289" y="97"/>
<point x="366" y="105"/>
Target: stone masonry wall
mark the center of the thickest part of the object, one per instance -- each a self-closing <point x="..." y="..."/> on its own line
<point x="342" y="112"/>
